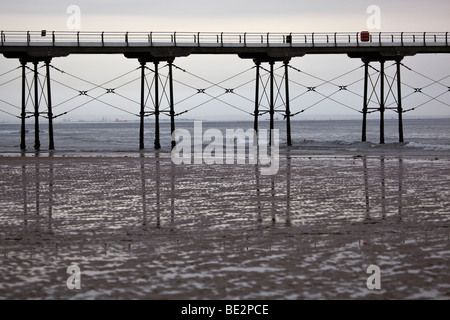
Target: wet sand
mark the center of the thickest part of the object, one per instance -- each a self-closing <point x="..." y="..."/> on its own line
<point x="144" y="228"/>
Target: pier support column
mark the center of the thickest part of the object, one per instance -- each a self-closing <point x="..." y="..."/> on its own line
<point x="23" y="113"/>
<point x="49" y="105"/>
<point x="37" y="143"/>
<point x="288" y="110"/>
<point x="171" y="102"/>
<point x="365" y="103"/>
<point x="272" y="107"/>
<point x="256" y="112"/>
<point x="271" y="59"/>
<point x="142" y="112"/>
<point x="383" y="97"/>
<point x="157" y="143"/>
<point x="399" y="103"/>
<point x="382" y="101"/>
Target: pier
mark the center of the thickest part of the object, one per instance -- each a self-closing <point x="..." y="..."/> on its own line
<point x="374" y="49"/>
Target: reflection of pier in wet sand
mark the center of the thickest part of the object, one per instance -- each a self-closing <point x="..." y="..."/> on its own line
<point x="171" y="196"/>
<point x="143" y="227"/>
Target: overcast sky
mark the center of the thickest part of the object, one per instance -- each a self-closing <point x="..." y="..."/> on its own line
<point x="231" y="15"/>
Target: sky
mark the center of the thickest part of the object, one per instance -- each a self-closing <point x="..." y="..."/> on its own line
<point x="227" y="16"/>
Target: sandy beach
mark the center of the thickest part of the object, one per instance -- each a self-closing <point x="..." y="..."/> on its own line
<point x="144" y="228"/>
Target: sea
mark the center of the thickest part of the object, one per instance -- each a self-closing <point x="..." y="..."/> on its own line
<point x="317" y="136"/>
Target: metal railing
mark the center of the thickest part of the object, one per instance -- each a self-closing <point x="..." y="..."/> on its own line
<point x="221" y="39"/>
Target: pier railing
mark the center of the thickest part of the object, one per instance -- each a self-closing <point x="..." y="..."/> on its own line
<point x="219" y="39"/>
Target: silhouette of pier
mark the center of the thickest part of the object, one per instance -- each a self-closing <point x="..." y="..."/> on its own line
<point x="262" y="48"/>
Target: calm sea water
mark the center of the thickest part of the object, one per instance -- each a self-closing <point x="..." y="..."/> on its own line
<point x="327" y="136"/>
